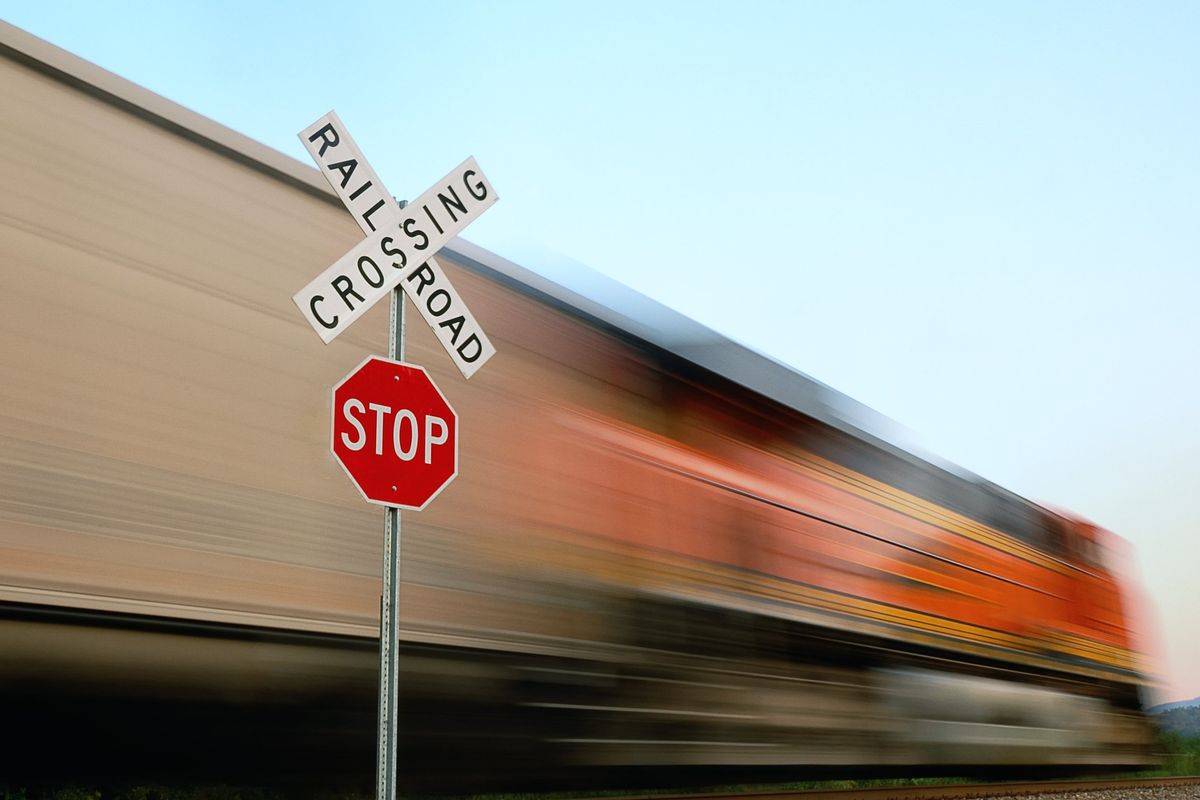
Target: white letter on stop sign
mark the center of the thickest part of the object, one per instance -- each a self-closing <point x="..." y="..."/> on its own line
<point x="380" y="412"/>
<point x="432" y="438"/>
<point x="402" y="415"/>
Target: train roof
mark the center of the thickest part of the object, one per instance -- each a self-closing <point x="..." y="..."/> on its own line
<point x="584" y="292"/>
<point x="575" y="288"/>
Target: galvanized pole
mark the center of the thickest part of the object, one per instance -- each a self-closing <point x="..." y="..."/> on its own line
<point x="389" y="612"/>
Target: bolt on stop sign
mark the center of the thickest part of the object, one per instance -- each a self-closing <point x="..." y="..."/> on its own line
<point x="394" y="433"/>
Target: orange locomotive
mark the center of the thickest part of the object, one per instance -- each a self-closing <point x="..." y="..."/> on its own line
<point x="938" y="617"/>
<point x="1029" y="588"/>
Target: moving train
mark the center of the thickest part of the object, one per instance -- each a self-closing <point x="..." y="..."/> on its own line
<point x="663" y="550"/>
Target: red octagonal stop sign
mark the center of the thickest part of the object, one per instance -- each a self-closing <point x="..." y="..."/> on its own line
<point x="394" y="433"/>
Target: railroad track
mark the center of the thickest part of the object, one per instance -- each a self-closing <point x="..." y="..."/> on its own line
<point x="1180" y="788"/>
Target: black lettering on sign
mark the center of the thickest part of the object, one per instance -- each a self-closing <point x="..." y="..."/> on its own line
<point x="343" y="286"/>
<point x="328" y="136"/>
<point x="455" y="325"/>
<point x="312" y="304"/>
<point x="456" y="203"/>
<point x="430" y="300"/>
<point x="408" y="226"/>
<point x="425" y="274"/>
<point x="429" y="214"/>
<point x="370" y="211"/>
<point x="385" y="245"/>
<point x="346" y="168"/>
<point x="364" y="260"/>
<point x="354" y="195"/>
<point x="478" y="191"/>
<point x="470" y="340"/>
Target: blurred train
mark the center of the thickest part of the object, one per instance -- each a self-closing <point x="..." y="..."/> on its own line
<point x="662" y="550"/>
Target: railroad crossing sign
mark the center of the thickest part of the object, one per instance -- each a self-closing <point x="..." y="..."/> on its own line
<point x="399" y="247"/>
<point x="394" y="433"/>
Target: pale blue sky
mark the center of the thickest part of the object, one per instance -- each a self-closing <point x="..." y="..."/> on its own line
<point x="979" y="219"/>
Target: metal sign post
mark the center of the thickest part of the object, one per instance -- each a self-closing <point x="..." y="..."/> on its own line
<point x="389" y="611"/>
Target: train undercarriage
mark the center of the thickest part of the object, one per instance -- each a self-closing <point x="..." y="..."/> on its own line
<point x="692" y="696"/>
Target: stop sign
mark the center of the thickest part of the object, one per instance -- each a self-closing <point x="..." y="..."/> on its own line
<point x="394" y="433"/>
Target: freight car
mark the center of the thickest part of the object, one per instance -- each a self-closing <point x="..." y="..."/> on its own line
<point x="663" y="548"/>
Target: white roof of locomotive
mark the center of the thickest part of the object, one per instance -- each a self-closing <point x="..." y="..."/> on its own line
<point x="582" y="291"/>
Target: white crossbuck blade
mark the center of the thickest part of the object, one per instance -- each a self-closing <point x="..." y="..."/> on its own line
<point x="398" y="249"/>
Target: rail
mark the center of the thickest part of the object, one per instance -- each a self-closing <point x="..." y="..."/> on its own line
<point x="981" y="790"/>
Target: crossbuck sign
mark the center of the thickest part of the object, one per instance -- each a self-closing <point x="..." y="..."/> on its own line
<point x="386" y="410"/>
<point x="398" y="249"/>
